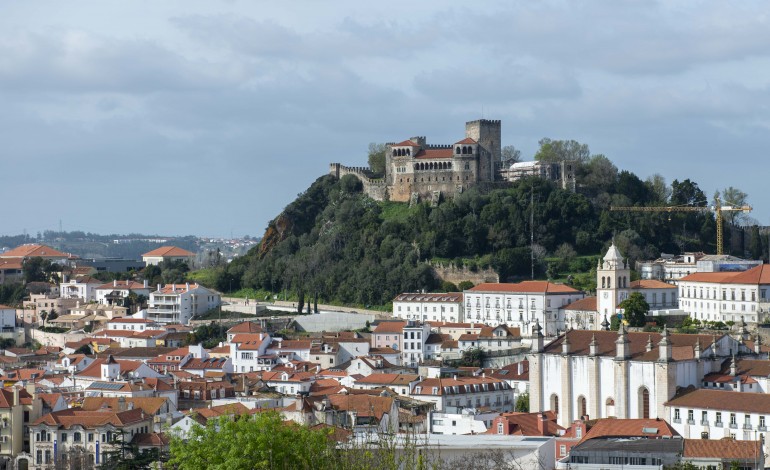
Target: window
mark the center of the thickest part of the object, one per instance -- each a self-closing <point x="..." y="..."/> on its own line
<point x="690" y="417"/>
<point x="719" y="418"/>
<point x="732" y="419"/>
<point x="500" y="428"/>
<point x="677" y="417"/>
<point x="64" y="437"/>
<point x="562" y="450"/>
<point x="762" y="421"/>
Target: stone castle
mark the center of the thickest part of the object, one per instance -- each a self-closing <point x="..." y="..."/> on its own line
<point x="416" y="171"/>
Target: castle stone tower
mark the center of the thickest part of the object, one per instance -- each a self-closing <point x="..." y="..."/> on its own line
<point x="487" y="133"/>
<point x="612" y="277"/>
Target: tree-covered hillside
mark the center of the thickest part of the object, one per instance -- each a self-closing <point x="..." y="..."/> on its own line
<point x="333" y="243"/>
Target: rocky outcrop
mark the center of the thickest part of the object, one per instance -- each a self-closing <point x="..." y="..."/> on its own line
<point x="277" y="231"/>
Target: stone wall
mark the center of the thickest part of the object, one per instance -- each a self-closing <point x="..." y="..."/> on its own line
<point x="455" y="275"/>
<point x="375" y="188"/>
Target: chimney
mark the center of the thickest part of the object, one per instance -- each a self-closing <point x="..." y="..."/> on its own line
<point x="187" y="286"/>
<point x="114" y="283"/>
<point x="15" y="396"/>
<point x="697" y="350"/>
<point x="649" y="343"/>
<point x="541" y="423"/>
<point x="145" y="283"/>
<point x="758" y="345"/>
<point x="520" y="367"/>
<point x="158" y="287"/>
<point x="565" y="345"/>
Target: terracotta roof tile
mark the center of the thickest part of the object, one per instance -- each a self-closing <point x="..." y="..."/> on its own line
<point x="723" y="449"/>
<point x="612" y="427"/>
<point x="426" y="154"/>
<point x="722" y="400"/>
<point x="168" y="251"/>
<point x="525" y="287"/>
<point x="587" y="304"/>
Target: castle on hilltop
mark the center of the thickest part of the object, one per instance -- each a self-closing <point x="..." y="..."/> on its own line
<point x="415" y="170"/>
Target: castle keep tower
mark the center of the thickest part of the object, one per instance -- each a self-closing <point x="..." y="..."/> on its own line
<point x="487" y="133"/>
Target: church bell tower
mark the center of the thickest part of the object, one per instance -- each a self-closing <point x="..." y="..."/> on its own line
<point x="612" y="278"/>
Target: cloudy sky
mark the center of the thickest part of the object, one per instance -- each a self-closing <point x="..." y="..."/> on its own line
<point x="208" y="117"/>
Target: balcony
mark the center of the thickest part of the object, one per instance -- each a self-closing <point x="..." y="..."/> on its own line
<point x="690" y="421"/>
<point x="718" y="424"/>
<point x="762" y="428"/>
<point x="748" y="427"/>
<point x="733" y="426"/>
<point x="704" y="422"/>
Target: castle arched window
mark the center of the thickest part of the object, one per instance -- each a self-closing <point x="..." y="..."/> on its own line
<point x="409" y="152"/>
<point x="620" y="281"/>
<point x="625" y="280"/>
<point x="416" y="166"/>
<point x="457" y="150"/>
<point x="604" y="282"/>
<point x="470" y="150"/>
<point x="467" y="167"/>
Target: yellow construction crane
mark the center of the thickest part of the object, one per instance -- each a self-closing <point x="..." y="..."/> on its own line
<point x="718" y="208"/>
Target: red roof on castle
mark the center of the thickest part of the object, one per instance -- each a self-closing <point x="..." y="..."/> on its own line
<point x="467" y="140"/>
<point x="425" y="154"/>
<point x="406" y="143"/>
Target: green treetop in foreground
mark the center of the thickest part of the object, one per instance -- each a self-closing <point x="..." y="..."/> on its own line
<point x="635" y="309"/>
<point x="261" y="441"/>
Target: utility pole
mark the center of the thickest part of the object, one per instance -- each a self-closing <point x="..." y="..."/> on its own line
<point x="532" y="231"/>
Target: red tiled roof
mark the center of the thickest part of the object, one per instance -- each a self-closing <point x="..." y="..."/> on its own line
<point x="651" y="284"/>
<point x="10" y="264"/>
<point x="525" y="287"/>
<point x="389" y="379"/>
<point x="122" y="285"/>
<point x="723" y="449"/>
<point x="612" y="427"/>
<point x="390" y="327"/>
<point x="168" y="251"/>
<point x="722" y="400"/>
<point x="406" y="143"/>
<point x="682" y="345"/>
<point x="757" y="275"/>
<point x="587" y="304"/>
<point x="92" y="419"/>
<point x="434" y="153"/>
<point x="440" y="297"/>
<point x="246" y="327"/>
<point x="31" y="251"/>
<point x="467" y="140"/>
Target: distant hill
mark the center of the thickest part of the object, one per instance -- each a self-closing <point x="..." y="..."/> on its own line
<point x="335" y="244"/>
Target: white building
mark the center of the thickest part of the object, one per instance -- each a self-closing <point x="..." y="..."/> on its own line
<point x="415" y="336"/>
<point x="114" y="292"/>
<point x="168" y="253"/>
<point x="520" y="305"/>
<point x="461" y="421"/>
<point x="718" y="414"/>
<point x="179" y="303"/>
<point x="626" y="375"/>
<point x="80" y="288"/>
<point x="446" y="307"/>
<point x="727" y="296"/>
<point x="248" y="352"/>
<point x="465" y="392"/>
<point x="670" y="268"/>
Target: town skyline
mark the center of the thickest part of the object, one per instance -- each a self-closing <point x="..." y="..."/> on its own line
<point x="232" y="109"/>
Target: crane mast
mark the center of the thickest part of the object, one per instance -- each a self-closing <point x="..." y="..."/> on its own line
<point x="718" y="208"/>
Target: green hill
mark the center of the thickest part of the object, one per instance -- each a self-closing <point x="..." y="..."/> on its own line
<point x="334" y="244"/>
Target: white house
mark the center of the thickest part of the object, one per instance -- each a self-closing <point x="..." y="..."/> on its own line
<point x="115" y="291"/>
<point x="83" y="288"/>
<point x="168" y="253"/>
<point x="727" y="296"/>
<point x="466" y="392"/>
<point x="179" y="303"/>
<point x="248" y="352"/>
<point x="447" y="307"/>
<point x="718" y="414"/>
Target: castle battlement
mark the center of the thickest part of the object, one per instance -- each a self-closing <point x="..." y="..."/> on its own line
<point x="439" y="146"/>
